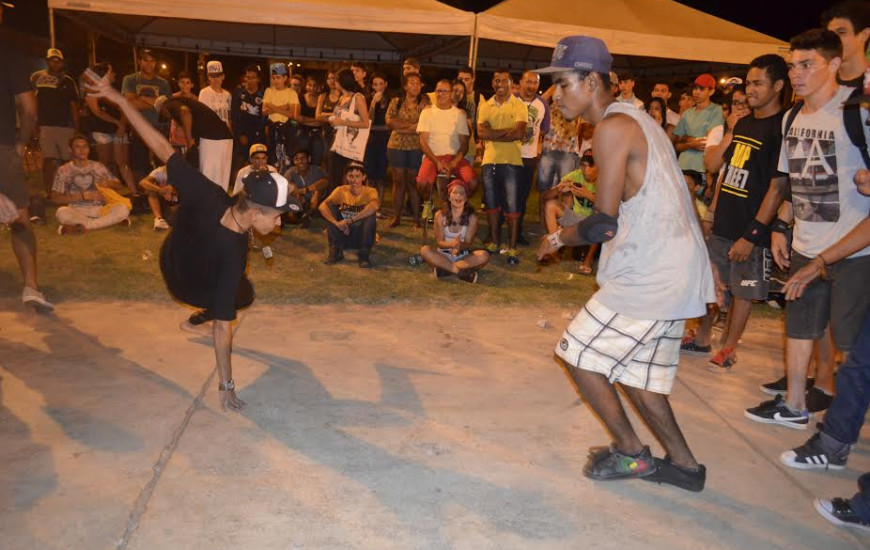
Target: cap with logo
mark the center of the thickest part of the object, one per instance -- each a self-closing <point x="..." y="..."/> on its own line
<point x="54" y="53"/>
<point x="580" y="53"/>
<point x="706" y="80"/>
<point x="214" y="68"/>
<point x="354" y="165"/>
<point x="258" y="148"/>
<point x="278" y="68"/>
<point x="270" y="189"/>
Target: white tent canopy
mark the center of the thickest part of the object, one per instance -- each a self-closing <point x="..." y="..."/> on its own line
<point x="653" y="28"/>
<point x="376" y="30"/>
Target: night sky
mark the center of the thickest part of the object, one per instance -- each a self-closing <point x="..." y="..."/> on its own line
<point x="780" y="18"/>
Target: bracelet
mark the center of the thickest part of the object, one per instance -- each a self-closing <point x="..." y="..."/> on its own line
<point x="229" y="385"/>
<point x="779" y="226"/>
<point x="823" y="273"/>
<point x="556" y="239"/>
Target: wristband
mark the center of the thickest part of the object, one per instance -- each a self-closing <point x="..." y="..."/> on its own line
<point x="757" y="233"/>
<point x="779" y="226"/>
<point x="556" y="239"/>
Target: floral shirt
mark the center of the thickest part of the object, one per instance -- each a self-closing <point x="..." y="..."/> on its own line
<point x="404" y="142"/>
<point x="563" y="133"/>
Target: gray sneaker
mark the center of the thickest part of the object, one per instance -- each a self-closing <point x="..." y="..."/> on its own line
<point x="35" y="299"/>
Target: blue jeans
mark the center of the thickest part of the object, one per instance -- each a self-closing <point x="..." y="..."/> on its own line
<point x="501" y="187"/>
<point x="845" y="417"/>
<point x="553" y="167"/>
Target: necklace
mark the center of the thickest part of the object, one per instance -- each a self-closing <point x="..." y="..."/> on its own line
<point x="233" y="214"/>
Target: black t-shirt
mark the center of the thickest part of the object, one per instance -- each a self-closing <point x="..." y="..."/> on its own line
<point x="13" y="81"/>
<point x="53" y="97"/>
<point x="750" y="162"/>
<point x="203" y="262"/>
<point x="247" y="112"/>
<point x="206" y="123"/>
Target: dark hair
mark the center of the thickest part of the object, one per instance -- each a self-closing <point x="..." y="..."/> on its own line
<point x="300" y="151"/>
<point x="77" y="137"/>
<point x="776" y="69"/>
<point x="662" y="83"/>
<point x="347" y="82"/>
<point x="857" y="13"/>
<point x="102" y="68"/>
<point x="826" y="42"/>
<point x="589" y="159"/>
<point x="464" y="218"/>
<point x="420" y="97"/>
<point x="466" y="69"/>
<point x="661" y="103"/>
<point x="184" y="74"/>
<point x="354" y="165"/>
<point x="502" y="70"/>
<point x="385" y="97"/>
<point x="412" y="61"/>
<point x="253" y="69"/>
<point x="738" y="88"/>
<point x="581" y="75"/>
<point x="297" y="76"/>
<point x="687" y="91"/>
<point x="463" y="102"/>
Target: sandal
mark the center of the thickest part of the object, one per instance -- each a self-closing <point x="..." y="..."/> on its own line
<point x="606" y="463"/>
<point x="585" y="270"/>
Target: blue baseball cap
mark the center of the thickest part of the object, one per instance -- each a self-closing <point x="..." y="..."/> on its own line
<point x="278" y="68"/>
<point x="581" y="53"/>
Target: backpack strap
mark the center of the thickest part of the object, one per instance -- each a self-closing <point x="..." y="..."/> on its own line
<point x="791" y="116"/>
<point x="855" y="126"/>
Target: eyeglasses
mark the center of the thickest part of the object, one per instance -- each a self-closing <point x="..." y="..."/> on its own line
<point x="741" y="103"/>
<point x="442" y="91"/>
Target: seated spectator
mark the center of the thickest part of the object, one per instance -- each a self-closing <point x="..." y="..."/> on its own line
<point x="350" y="210"/>
<point x="85" y="189"/>
<point x="444" y="133"/>
<point x="455" y="229"/>
<point x="311" y="183"/>
<point x="160" y="195"/>
<point x="259" y="157"/>
<point x="574" y="204"/>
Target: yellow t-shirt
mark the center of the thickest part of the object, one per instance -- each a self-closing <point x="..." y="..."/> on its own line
<point x="503" y="117"/>
<point x="280" y="97"/>
<point x="349" y="204"/>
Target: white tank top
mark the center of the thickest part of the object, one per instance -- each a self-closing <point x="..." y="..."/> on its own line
<point x="450" y="235"/>
<point x="656" y="267"/>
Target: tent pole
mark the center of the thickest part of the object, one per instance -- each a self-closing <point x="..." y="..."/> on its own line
<point x="472" y="46"/>
<point x="92" y="48"/>
<point x="51" y="26"/>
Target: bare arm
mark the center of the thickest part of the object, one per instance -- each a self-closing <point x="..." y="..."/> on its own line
<point x="27" y="118"/>
<point x="714" y="155"/>
<point x="424" y="146"/>
<point x="151" y="136"/>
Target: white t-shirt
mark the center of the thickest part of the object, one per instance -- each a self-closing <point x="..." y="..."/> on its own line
<point x="219" y="102"/>
<point x="821" y="161"/>
<point x="159" y="175"/>
<point x="537" y="113"/>
<point x="673" y="118"/>
<point x="633" y="100"/>
<point x="244" y="171"/>
<point x="444" y="127"/>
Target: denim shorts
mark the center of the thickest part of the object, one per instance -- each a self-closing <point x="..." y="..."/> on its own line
<point x="501" y="187"/>
<point x="553" y="166"/>
<point x="841" y="300"/>
<point x="408" y="160"/>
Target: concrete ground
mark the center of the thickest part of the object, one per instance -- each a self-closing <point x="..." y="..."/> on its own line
<point x="368" y="427"/>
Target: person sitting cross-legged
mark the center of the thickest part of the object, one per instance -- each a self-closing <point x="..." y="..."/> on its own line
<point x="82" y="186"/>
<point x="455" y="229"/>
<point x="350" y="211"/>
<point x="311" y="182"/>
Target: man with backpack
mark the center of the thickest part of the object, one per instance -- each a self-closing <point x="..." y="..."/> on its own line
<point x="821" y="154"/>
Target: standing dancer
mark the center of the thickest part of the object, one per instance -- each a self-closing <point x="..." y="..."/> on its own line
<point x="204" y="256"/>
<point x="653" y="273"/>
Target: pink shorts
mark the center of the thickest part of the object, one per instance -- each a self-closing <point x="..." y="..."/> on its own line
<point x="428" y="172"/>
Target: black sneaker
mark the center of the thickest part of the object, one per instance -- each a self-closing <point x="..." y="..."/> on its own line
<point x="441" y="273"/>
<point x="606" y="463"/>
<point x="776" y="412"/>
<point x="200" y="317"/>
<point x="363" y="259"/>
<point x="522" y="240"/>
<point x="689" y="347"/>
<point x="684" y="478"/>
<point x="335" y="255"/>
<point x="839" y="512"/>
<point x="780" y="387"/>
<point x="467" y="275"/>
<point x="813" y="455"/>
<point x="818" y="400"/>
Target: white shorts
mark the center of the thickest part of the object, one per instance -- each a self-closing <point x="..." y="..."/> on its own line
<point x="101" y="138"/>
<point x="640" y="354"/>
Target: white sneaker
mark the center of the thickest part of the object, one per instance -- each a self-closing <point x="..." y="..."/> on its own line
<point x="160" y="224"/>
<point x="35" y="299"/>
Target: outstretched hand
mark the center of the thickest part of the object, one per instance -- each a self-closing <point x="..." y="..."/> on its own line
<point x="100" y="87"/>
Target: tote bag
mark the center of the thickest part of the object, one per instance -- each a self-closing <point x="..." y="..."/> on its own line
<point x="351" y="142"/>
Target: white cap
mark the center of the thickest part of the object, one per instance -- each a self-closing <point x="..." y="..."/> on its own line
<point x="214" y="67"/>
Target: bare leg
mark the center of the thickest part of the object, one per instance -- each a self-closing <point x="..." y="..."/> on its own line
<point x="475" y="260"/>
<point x="24" y="246"/>
<point x="702" y="335"/>
<point x="797" y="357"/>
<point x="398" y="194"/>
<point x="437" y="259"/>
<point x="49" y="169"/>
<point x="602" y="397"/>
<point x="824" y="348"/>
<point x="513" y="222"/>
<point x="154" y="203"/>
<point x="494" y="233"/>
<point x="657" y="413"/>
<point x="738" y="315"/>
<point x="590" y="256"/>
<point x="122" y="158"/>
<point x="411" y="186"/>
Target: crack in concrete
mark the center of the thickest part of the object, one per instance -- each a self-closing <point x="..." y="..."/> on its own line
<point x="148" y="490"/>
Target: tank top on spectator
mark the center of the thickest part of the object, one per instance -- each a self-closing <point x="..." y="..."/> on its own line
<point x="539" y="121"/>
<point x="206" y="123"/>
<point x="328" y="105"/>
<point x="287" y="96"/>
<point x="379" y="117"/>
<point x="92" y="123"/>
<point x="450" y="235"/>
<point x="821" y="161"/>
<point x="307" y="110"/>
<point x="656" y="267"/>
<point x="750" y="162"/>
<point x="53" y="97"/>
